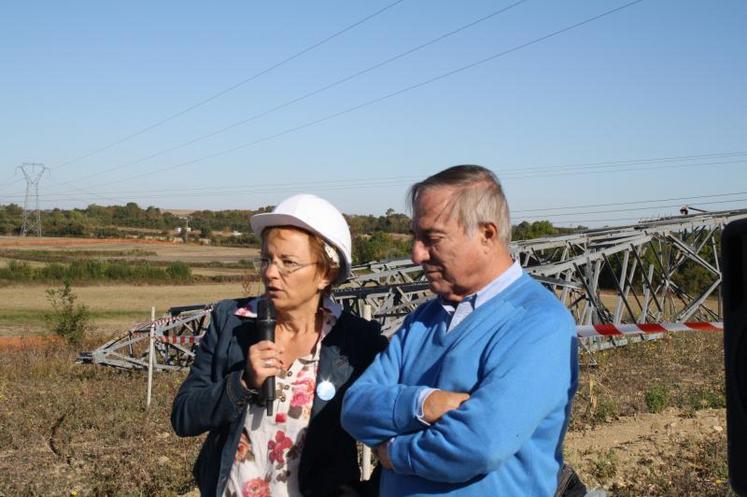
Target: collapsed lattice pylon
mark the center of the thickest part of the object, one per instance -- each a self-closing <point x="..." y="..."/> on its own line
<point x="641" y="264"/>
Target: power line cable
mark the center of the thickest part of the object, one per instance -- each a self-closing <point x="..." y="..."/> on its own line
<point x="514" y="176"/>
<point x="631" y="209"/>
<point x="326" y="185"/>
<point x="651" y="163"/>
<point x="511" y="173"/>
<point x="615" y="169"/>
<point x="10" y="182"/>
<point x="633" y="202"/>
<point x="613" y="163"/>
<point x="307" y="95"/>
<point x="632" y="219"/>
<point x="330" y="185"/>
<point x="233" y="87"/>
<point x="389" y="95"/>
<point x="360" y="183"/>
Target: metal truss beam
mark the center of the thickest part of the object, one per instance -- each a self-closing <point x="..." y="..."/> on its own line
<point x="623" y="275"/>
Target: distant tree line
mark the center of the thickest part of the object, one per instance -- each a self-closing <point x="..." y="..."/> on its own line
<point x="374" y="237"/>
<point x="106" y="221"/>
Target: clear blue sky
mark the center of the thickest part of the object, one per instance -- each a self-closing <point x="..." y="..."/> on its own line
<point x="659" y="79"/>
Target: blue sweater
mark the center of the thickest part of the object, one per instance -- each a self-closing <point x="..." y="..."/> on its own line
<point x="516" y="355"/>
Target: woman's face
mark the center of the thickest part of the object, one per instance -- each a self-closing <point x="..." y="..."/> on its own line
<point x="291" y="272"/>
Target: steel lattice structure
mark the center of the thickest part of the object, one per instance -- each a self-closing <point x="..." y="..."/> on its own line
<point x="641" y="263"/>
<point x="32" y="173"/>
<point x="625" y="274"/>
<point x="176" y="336"/>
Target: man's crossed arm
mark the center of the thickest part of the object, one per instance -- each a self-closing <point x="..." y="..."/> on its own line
<point x="436" y="404"/>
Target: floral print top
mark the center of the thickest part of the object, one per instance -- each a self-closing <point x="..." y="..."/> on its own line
<point x="269" y="451"/>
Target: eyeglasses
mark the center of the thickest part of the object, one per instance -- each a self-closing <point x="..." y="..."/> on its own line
<point x="285" y="268"/>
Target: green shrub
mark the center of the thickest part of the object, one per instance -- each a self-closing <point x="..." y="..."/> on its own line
<point x="179" y="271"/>
<point x="68" y="320"/>
<point x="87" y="270"/>
<point x="657" y="398"/>
<point x="705" y="397"/>
<point x="606" y="409"/>
<point x="605" y="467"/>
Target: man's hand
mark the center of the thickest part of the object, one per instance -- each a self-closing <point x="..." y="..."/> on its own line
<point x="439" y="402"/>
<point x="382" y="454"/>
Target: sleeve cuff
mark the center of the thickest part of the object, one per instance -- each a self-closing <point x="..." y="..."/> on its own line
<point x="405" y="409"/>
<point x="398" y="456"/>
<point x="422" y="396"/>
<point x="237" y="393"/>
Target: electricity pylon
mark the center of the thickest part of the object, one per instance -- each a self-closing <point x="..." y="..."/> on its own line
<point x="33" y="173"/>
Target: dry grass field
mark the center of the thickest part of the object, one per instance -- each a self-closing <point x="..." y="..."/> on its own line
<point x="648" y="421"/>
<point x="648" y="418"/>
<point x="114" y="307"/>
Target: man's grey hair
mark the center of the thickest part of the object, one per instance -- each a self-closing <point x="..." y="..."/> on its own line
<point x="478" y="198"/>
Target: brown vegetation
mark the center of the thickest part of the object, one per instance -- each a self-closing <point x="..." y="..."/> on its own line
<point x="66" y="428"/>
<point x="648" y="419"/>
<point x="87" y="428"/>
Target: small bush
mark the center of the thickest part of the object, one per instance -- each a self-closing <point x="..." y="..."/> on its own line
<point x="605" y="467"/>
<point x="67" y="319"/>
<point x="604" y="410"/>
<point x="705" y="397"/>
<point x="179" y="271"/>
<point x="657" y="398"/>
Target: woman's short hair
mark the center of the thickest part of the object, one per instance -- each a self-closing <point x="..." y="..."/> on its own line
<point x="478" y="198"/>
<point x="326" y="265"/>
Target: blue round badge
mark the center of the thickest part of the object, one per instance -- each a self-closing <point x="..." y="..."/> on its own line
<point x="325" y="390"/>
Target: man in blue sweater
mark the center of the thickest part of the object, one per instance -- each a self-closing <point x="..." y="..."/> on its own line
<point x="473" y="394"/>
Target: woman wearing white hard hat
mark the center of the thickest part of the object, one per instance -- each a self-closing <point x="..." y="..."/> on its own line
<point x="319" y="350"/>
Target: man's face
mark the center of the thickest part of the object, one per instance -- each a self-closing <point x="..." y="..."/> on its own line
<point x="452" y="261"/>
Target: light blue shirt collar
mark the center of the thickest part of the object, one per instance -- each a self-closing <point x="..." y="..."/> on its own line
<point x="475" y="300"/>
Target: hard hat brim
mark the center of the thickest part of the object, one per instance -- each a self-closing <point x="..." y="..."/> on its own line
<point x="271" y="219"/>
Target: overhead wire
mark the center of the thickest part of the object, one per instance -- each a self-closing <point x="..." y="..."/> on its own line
<point x="333" y="185"/>
<point x="234" y="86"/>
<point x="551" y="212"/>
<point x="309" y="94"/>
<point x="330" y="184"/>
<point x="632" y="220"/>
<point x="384" y="97"/>
<point x="630" y="209"/>
<point x="642" y="167"/>
<point x="632" y="202"/>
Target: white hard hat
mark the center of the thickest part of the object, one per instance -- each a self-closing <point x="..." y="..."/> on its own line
<point x="313" y="214"/>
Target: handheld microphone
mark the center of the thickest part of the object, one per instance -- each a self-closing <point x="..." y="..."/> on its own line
<point x="266" y="330"/>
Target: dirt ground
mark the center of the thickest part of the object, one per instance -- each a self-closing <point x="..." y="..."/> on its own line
<point x="608" y="455"/>
<point x="652" y="425"/>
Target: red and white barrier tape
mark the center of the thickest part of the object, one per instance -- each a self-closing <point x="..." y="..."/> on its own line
<point x="144" y="325"/>
<point x="597" y="330"/>
<point x="617" y="330"/>
<point x="180" y="340"/>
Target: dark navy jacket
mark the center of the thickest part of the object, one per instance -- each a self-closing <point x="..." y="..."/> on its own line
<point x="212" y="399"/>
